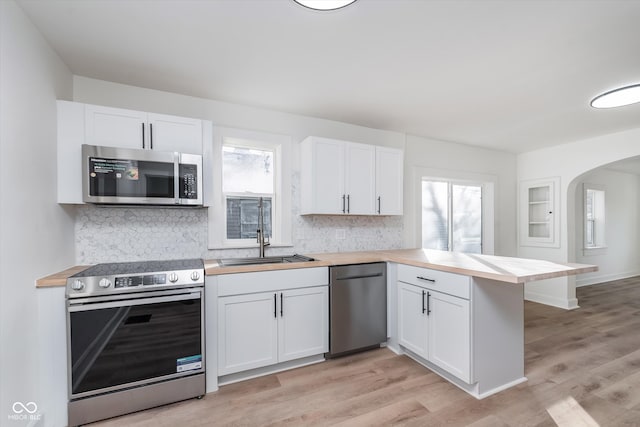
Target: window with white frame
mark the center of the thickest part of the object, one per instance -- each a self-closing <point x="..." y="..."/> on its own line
<point x="594" y="216"/>
<point x="249" y="166"/>
<point x="452" y="216"/>
<point x="247" y="175"/>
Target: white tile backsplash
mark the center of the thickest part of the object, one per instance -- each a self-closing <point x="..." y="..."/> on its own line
<point x="118" y="234"/>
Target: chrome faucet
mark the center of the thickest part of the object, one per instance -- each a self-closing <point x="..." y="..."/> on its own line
<point x="260" y="232"/>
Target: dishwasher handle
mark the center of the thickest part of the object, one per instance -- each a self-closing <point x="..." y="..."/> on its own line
<point x="359" y="276"/>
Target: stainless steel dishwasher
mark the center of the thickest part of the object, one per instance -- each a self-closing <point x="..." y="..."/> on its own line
<point x="358" y="307"/>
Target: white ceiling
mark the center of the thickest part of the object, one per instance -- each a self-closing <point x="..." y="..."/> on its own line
<point x="511" y="75"/>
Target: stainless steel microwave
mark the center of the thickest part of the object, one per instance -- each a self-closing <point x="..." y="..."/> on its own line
<point x="140" y="177"/>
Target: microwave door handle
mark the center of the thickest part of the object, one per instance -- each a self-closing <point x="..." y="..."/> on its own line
<point x="176" y="175"/>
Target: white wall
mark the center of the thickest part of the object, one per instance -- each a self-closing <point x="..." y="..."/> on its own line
<point x="620" y="258"/>
<point x="36" y="234"/>
<point x="450" y="160"/>
<point x="568" y="161"/>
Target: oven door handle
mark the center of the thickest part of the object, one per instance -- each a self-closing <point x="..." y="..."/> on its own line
<point x="129" y="303"/>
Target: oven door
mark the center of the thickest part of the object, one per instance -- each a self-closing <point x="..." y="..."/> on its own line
<point x="121" y="341"/>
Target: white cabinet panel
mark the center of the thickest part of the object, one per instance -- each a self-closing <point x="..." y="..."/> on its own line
<point x="171" y="133"/>
<point x="115" y="127"/>
<point x="360" y="178"/>
<point x="412" y="319"/>
<point x="389" y="181"/>
<point x="323" y="176"/>
<point x="303" y="323"/>
<point x="449" y="334"/>
<point x="247" y="332"/>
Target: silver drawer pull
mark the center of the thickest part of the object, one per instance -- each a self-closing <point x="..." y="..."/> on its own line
<point x="426" y="278"/>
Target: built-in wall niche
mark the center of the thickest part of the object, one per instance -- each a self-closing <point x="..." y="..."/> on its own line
<point x="539" y="203"/>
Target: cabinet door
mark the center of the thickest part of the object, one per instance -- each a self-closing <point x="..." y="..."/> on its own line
<point x="171" y="133"/>
<point x="303" y="323"/>
<point x="449" y="334"/>
<point x="389" y="181"/>
<point x="412" y="319"/>
<point x="247" y="332"/>
<point x="115" y="127"/>
<point x="324" y="188"/>
<point x="360" y="162"/>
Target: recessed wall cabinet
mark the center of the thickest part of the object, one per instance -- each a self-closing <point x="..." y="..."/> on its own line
<point x="347" y="178"/>
<point x="258" y="327"/>
<point x="434" y="318"/>
<point x="539" y="202"/>
<point x="115" y="127"/>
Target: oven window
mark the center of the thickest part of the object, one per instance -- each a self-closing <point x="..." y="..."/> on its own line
<point x="116" y="346"/>
<point x="130" y="178"/>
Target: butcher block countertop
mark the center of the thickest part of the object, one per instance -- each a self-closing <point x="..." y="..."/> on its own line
<point x="504" y="269"/>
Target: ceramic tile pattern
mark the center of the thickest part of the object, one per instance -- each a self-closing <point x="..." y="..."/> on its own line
<point x="116" y="234"/>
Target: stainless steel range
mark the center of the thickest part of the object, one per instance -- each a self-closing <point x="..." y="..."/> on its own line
<point x="135" y="337"/>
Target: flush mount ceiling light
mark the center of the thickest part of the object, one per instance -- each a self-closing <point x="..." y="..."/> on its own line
<point x="617" y="97"/>
<point x="324" y="4"/>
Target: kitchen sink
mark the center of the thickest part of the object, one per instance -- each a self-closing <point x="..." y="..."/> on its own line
<point x="266" y="260"/>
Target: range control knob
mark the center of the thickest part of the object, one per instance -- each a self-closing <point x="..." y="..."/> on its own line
<point x="173" y="277"/>
<point x="104" y="283"/>
<point x="195" y="276"/>
<point x="77" y="285"/>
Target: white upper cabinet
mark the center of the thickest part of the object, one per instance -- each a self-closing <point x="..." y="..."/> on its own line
<point x="116" y="127"/>
<point x="322" y="178"/>
<point x="539" y="203"/>
<point x="360" y="178"/>
<point x="342" y="178"/>
<point x="389" y="179"/>
<point x="171" y="133"/>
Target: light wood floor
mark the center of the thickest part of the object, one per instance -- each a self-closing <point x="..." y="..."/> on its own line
<point x="583" y="367"/>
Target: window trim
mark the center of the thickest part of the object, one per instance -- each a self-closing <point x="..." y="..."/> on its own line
<point x="281" y="203"/>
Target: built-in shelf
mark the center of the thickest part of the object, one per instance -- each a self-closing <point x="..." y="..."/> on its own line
<point x="538" y="212"/>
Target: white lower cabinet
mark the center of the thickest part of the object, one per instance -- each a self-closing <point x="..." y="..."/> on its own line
<point x="449" y="334"/>
<point x="303" y="323"/>
<point x="434" y="325"/>
<point x="412" y="319"/>
<point x="266" y="328"/>
<point x="247" y="332"/>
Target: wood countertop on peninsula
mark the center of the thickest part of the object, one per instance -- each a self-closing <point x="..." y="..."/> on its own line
<point x="500" y="268"/>
<point x="504" y="269"/>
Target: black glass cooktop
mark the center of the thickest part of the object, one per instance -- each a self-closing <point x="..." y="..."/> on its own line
<point x="110" y="269"/>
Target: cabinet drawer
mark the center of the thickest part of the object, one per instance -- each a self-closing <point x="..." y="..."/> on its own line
<point x="448" y="283"/>
<point x="269" y="281"/>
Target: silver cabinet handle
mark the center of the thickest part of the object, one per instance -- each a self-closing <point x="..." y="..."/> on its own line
<point x="344" y="210"/>
<point x="379" y="205"/>
<point x="348" y="204"/>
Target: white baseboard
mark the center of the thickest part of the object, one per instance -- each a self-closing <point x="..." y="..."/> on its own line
<point x="601" y="278"/>
<point x="566" y="303"/>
